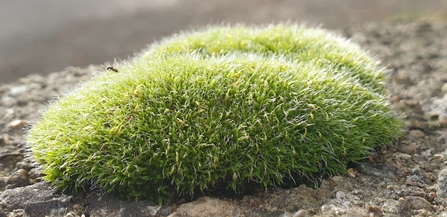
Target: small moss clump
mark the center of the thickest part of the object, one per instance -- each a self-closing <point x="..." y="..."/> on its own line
<point x="225" y="107"/>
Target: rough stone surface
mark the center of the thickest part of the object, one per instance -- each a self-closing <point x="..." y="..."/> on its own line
<point x="36" y="200"/>
<point x="206" y="206"/>
<point x="441" y="189"/>
<point x="408" y="178"/>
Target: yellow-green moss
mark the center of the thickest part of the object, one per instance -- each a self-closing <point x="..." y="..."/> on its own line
<point x="293" y="42"/>
<point x="180" y="121"/>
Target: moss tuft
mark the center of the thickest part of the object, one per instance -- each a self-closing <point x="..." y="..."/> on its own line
<point x="223" y="107"/>
<point x="294" y="42"/>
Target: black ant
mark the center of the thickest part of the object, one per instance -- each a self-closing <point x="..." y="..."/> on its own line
<point x="112" y="68"/>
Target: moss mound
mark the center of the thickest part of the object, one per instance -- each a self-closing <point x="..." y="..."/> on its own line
<point x="185" y="121"/>
<point x="294" y="42"/>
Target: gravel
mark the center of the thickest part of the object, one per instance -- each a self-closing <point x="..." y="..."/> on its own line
<point x="406" y="179"/>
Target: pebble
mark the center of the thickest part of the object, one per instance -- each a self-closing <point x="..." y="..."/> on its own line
<point x="432" y="195"/>
<point x="417" y="203"/>
<point x="3" y="184"/>
<point x="351" y="172"/>
<point x="443" y="121"/>
<point x="16" y="124"/>
<point x="427" y="153"/>
<point x="416" y="134"/>
<point x="415" y="178"/>
<point x="442" y="139"/>
<point x="24" y="165"/>
<point x="4" y="139"/>
<point x="439" y="157"/>
<point x="19" y="178"/>
<point x="340" y="195"/>
<point x="374" y="211"/>
<point x="60" y="212"/>
<point x="17" y="90"/>
<point x="441" y="189"/>
<point x="393" y="191"/>
<point x="408" y="148"/>
<point x="17" y="212"/>
<point x="402" y="156"/>
<point x="166" y="211"/>
<point x="300" y="213"/>
<point x="444" y="87"/>
<point x="70" y="214"/>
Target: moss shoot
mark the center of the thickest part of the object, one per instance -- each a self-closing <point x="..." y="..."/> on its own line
<point x="223" y="107"/>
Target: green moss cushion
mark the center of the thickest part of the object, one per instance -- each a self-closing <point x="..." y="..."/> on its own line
<point x="294" y="42"/>
<point x="184" y="122"/>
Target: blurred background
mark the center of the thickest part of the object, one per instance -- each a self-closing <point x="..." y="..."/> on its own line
<point x="43" y="36"/>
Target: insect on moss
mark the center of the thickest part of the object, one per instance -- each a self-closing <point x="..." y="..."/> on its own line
<point x="112" y="68"/>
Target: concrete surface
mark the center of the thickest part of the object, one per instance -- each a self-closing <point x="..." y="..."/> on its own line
<point x="43" y="36"/>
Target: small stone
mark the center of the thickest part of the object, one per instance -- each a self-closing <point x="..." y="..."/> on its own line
<point x="286" y="214"/>
<point x="340" y="195"/>
<point x="443" y="121"/>
<point x="3" y="184"/>
<point x="432" y="195"/>
<point x="300" y="213"/>
<point x="439" y="157"/>
<point x="415" y="179"/>
<point x="426" y="154"/>
<point x="16" y="124"/>
<point x="4" y="140"/>
<point x="395" y="99"/>
<point x="441" y="189"/>
<point x="19" y="178"/>
<point x="409" y="149"/>
<point x="406" y="206"/>
<point x="418" y="158"/>
<point x="17" y="90"/>
<point x="412" y="103"/>
<point x="417" y="203"/>
<point x="24" y="165"/>
<point x="393" y="191"/>
<point x="59" y="212"/>
<point x="70" y="214"/>
<point x="401" y="156"/>
<point x="78" y="209"/>
<point x="166" y="211"/>
<point x="442" y="139"/>
<point x="444" y="87"/>
<point x="416" y="134"/>
<point x="351" y="172"/>
<point x="416" y="124"/>
<point x="17" y="212"/>
<point x="375" y="211"/>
